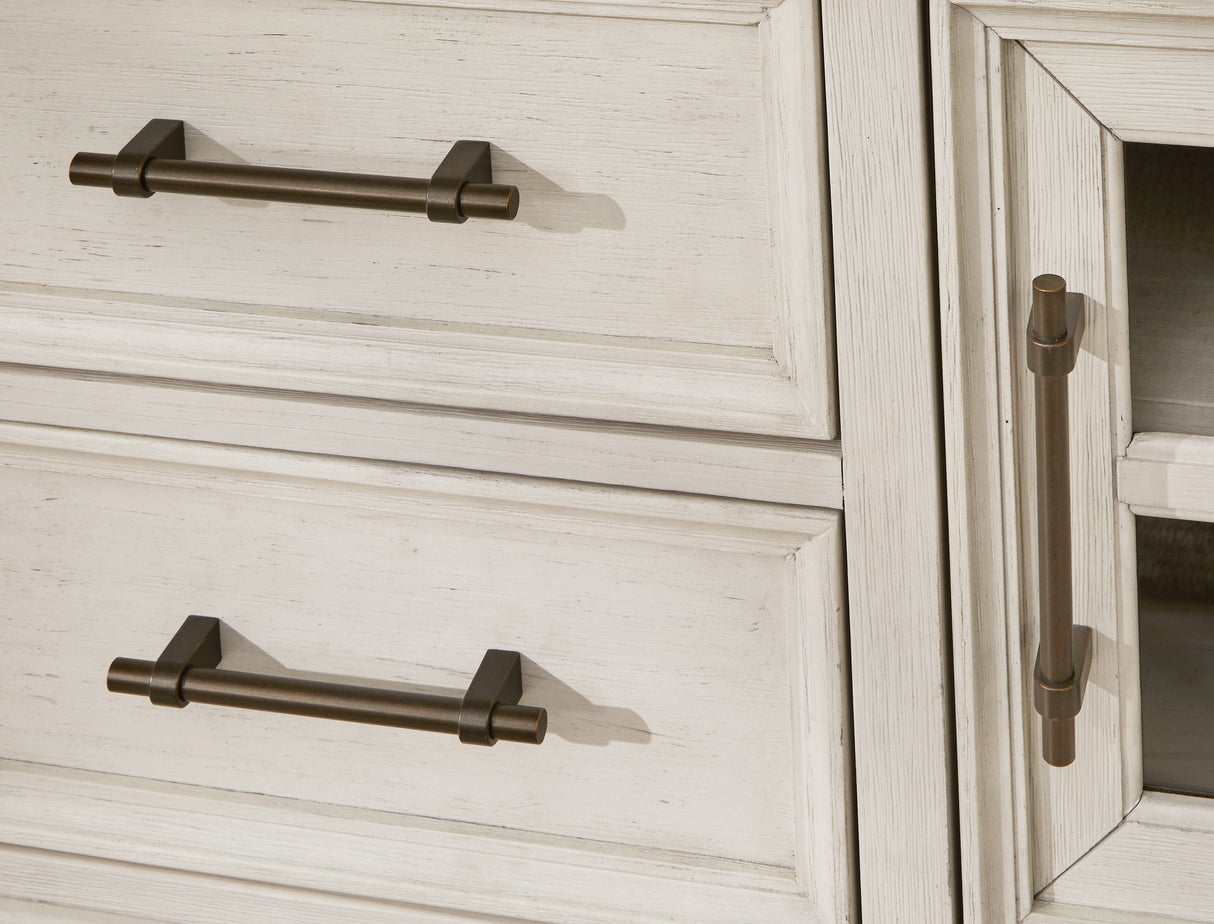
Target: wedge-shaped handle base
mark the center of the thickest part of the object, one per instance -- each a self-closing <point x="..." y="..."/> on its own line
<point x="185" y="673"/>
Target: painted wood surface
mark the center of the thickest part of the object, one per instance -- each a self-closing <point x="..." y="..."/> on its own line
<point x="727" y="11"/>
<point x="1120" y="86"/>
<point x="877" y="118"/>
<point x="1053" y="156"/>
<point x="1051" y="913"/>
<point x="71" y="888"/>
<point x="640" y="616"/>
<point x="1061" y="10"/>
<point x="15" y="911"/>
<point x="1160" y="862"/>
<point x="1151" y="26"/>
<point x="992" y="824"/>
<point x="778" y="469"/>
<point x="1168" y="475"/>
<point x="1058" y="223"/>
<point x="648" y="277"/>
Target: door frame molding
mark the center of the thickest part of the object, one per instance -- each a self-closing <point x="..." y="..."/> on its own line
<point x="998" y="785"/>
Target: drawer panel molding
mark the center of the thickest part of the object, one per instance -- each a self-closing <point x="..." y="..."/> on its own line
<point x="668" y="264"/>
<point x="690" y="652"/>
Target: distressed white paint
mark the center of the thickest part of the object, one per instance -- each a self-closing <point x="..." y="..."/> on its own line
<point x="646" y="279"/>
<point x="1168" y="475"/>
<point x="66" y="888"/>
<point x="776" y="469"/>
<point x="1123" y="89"/>
<point x="1027" y="23"/>
<point x="1024" y="159"/>
<point x="1050" y="913"/>
<point x="1160" y="862"/>
<point x="1057" y="223"/>
<point x="889" y="420"/>
<point x="189" y="341"/>
<point x="727" y="11"/>
<point x="972" y="256"/>
<point x="689" y="651"/>
<point x="1061" y="11"/>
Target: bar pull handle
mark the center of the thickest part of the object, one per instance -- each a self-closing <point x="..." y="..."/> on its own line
<point x="186" y="673"/>
<point x="1064" y="654"/>
<point x="154" y="161"/>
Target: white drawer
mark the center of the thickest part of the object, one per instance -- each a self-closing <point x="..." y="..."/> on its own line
<point x="666" y="264"/>
<point x="689" y="652"/>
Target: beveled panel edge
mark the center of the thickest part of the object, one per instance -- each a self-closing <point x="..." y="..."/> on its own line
<point x="730" y="12"/>
<point x="351" y="857"/>
<point x="1165" y="9"/>
<point x="424" y="491"/>
<point x="772" y="469"/>
<point x="795" y="124"/>
<point x="681" y="385"/>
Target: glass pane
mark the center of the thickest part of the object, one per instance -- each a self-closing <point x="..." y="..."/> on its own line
<point x="1170" y="248"/>
<point x="1176" y="643"/>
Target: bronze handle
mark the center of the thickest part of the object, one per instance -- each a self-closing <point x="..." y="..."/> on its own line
<point x="154" y="161"/>
<point x="185" y="673"/>
<point x="1064" y="655"/>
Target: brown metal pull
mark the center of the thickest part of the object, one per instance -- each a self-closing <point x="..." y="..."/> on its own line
<point x="1064" y="655"/>
<point x="154" y="161"/>
<point x="185" y="673"/>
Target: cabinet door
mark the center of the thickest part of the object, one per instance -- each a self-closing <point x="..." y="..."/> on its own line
<point x="1034" y="109"/>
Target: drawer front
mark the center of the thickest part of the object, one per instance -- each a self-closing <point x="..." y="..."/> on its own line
<point x="688" y="651"/>
<point x="666" y="264"/>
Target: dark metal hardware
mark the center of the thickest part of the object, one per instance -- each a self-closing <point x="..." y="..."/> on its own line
<point x="1064" y="656"/>
<point x="154" y="161"/>
<point x="184" y="673"/>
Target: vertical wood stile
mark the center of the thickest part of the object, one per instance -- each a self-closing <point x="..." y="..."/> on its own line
<point x="886" y="328"/>
<point x="968" y="125"/>
<point x="1056" y="187"/>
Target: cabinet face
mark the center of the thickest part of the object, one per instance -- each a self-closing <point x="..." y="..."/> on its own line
<point x="667" y="265"/>
<point x="690" y="653"/>
<point x="1036" y="106"/>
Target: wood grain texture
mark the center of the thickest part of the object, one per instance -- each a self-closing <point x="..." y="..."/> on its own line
<point x="1096" y="27"/>
<point x="796" y="136"/>
<point x="326" y="853"/>
<point x="79" y="885"/>
<point x="645" y="247"/>
<point x="1050" y="913"/>
<point x="692" y="264"/>
<point x="365" y="570"/>
<point x="16" y="911"/>
<point x="968" y="114"/>
<point x="773" y="469"/>
<point x="1054" y="177"/>
<point x="1160" y="862"/>
<point x="889" y="423"/>
<point x="1059" y="221"/>
<point x="1126" y="90"/>
<point x="101" y="332"/>
<point x="1168" y="475"/>
<point x="1061" y="9"/>
<point x="723" y="11"/>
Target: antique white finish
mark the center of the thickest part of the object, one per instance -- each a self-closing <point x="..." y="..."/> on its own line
<point x="1168" y="475"/>
<point x="746" y="12"/>
<point x="731" y="465"/>
<point x="1030" y="182"/>
<point x="683" y="730"/>
<point x="889" y="405"/>
<point x="667" y="265"/>
<point x="617" y="107"/>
